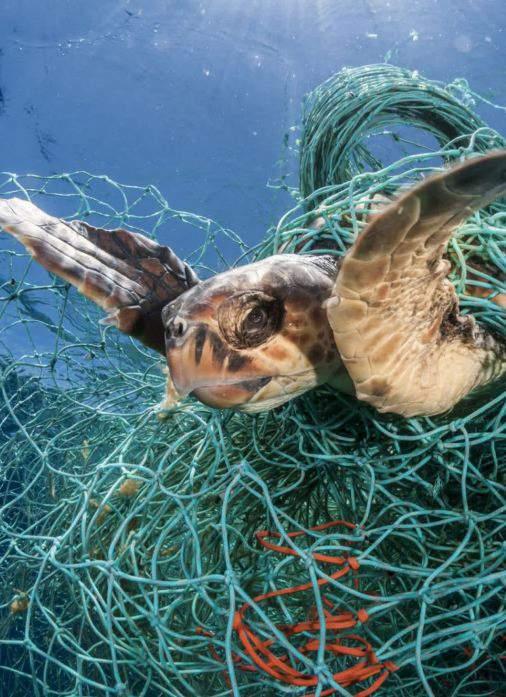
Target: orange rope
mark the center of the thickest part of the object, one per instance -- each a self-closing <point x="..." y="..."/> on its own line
<point x="259" y="650"/>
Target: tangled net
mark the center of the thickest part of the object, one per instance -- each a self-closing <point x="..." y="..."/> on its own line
<point x="318" y="549"/>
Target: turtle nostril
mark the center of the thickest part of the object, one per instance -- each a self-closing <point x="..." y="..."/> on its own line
<point x="175" y="328"/>
<point x="179" y="328"/>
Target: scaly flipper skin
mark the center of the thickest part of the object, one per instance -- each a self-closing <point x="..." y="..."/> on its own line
<point x="393" y="312"/>
<point x="125" y="273"/>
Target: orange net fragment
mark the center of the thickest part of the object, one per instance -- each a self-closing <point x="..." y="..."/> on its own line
<point x="265" y="653"/>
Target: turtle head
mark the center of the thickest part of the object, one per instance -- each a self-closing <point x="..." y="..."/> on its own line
<point x="253" y="337"/>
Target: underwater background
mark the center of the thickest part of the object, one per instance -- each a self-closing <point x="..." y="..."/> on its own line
<point x="196" y="97"/>
<point x="137" y="555"/>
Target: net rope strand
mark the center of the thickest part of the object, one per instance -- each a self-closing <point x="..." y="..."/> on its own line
<point x="318" y="549"/>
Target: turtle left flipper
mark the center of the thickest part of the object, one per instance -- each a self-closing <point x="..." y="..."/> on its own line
<point x="394" y="314"/>
<point x="125" y="273"/>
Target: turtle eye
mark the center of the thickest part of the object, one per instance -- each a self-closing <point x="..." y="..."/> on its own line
<point x="249" y="318"/>
<point x="255" y="319"/>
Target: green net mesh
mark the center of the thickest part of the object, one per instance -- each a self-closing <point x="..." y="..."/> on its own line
<point x="148" y="557"/>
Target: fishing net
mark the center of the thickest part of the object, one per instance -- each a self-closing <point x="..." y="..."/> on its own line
<point x="317" y="549"/>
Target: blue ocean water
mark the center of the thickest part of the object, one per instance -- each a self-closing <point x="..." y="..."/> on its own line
<point x="195" y="97"/>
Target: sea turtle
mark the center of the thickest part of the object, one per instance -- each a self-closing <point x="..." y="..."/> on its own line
<point x="383" y="322"/>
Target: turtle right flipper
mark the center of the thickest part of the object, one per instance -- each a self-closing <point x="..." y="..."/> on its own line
<point x="394" y="314"/>
<point x="125" y="273"/>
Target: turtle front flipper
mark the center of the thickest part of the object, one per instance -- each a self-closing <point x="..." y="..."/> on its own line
<point x="125" y="273"/>
<point x="394" y="314"/>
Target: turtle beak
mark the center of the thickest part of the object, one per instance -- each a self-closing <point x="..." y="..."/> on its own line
<point x="231" y="396"/>
<point x="201" y="365"/>
<point x="180" y="353"/>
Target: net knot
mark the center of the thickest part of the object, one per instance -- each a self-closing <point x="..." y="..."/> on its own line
<point x="307" y="560"/>
<point x="229" y="578"/>
<point x="155" y="623"/>
<point x="322" y="673"/>
<point x="427" y="596"/>
<point x="55" y="546"/>
<point x="456" y="425"/>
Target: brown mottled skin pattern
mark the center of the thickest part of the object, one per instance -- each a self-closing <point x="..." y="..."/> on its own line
<point x="294" y="353"/>
<point x="383" y="324"/>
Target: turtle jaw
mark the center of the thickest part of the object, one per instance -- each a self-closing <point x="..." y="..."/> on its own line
<point x="203" y="366"/>
<point x="230" y="396"/>
<point x="281" y="389"/>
